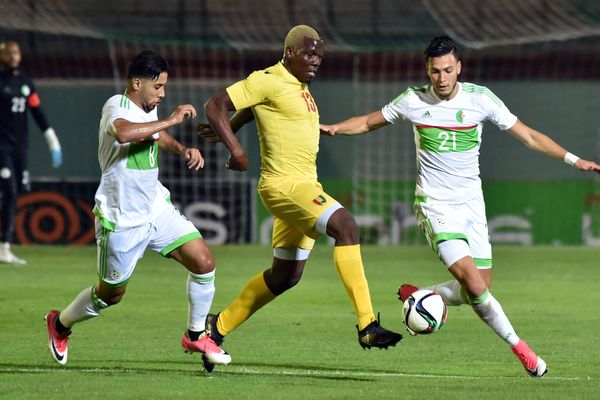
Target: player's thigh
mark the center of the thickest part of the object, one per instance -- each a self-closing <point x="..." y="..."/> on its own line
<point x="21" y="172"/>
<point x="441" y="223"/>
<point x="478" y="234"/>
<point x="8" y="177"/>
<point x="288" y="241"/>
<point x="119" y="252"/>
<point x="173" y="235"/>
<point x="298" y="203"/>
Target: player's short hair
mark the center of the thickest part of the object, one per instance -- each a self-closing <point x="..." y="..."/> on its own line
<point x="295" y="37"/>
<point x="440" y="46"/>
<point x="148" y="65"/>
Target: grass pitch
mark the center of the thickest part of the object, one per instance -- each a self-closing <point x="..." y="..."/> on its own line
<point x="303" y="345"/>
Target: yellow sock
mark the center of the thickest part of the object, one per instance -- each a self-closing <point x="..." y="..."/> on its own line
<point x="255" y="295"/>
<point x="348" y="262"/>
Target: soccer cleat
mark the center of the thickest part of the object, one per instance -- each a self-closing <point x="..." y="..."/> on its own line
<point x="211" y="353"/>
<point x="405" y="291"/>
<point x="534" y="365"/>
<point x="7" y="256"/>
<point x="374" y="335"/>
<point x="211" y="328"/>
<point x="58" y="343"/>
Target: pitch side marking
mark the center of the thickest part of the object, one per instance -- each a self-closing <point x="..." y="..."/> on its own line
<point x="291" y="372"/>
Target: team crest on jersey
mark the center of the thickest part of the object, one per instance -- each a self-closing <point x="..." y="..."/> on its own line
<point x="25" y="90"/>
<point x="320" y="200"/>
<point x="460" y="116"/>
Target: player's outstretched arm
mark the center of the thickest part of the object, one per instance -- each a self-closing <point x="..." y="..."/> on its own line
<point x="191" y="155"/>
<point x="125" y="131"/>
<point x="217" y="110"/>
<point x="356" y="125"/>
<point x="541" y="143"/>
<point x="239" y="119"/>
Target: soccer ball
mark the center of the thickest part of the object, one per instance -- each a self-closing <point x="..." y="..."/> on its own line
<point x="424" y="312"/>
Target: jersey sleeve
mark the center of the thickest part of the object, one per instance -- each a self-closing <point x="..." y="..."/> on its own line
<point x="114" y="109"/>
<point x="398" y="108"/>
<point x="497" y="112"/>
<point x="255" y="89"/>
<point x="33" y="99"/>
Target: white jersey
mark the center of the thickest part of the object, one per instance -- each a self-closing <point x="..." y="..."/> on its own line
<point x="129" y="194"/>
<point x="448" y="137"/>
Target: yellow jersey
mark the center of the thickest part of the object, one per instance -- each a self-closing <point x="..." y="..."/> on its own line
<point x="287" y="119"/>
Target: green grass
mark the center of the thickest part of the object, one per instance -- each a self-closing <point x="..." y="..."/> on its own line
<point x="303" y="345"/>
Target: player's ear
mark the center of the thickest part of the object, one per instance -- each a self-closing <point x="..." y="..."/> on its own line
<point x="458" y="67"/>
<point x="136" y="83"/>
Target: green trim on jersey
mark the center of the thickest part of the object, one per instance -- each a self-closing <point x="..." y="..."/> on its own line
<point x="111" y="226"/>
<point x="483" y="262"/>
<point x="180" y="242"/>
<point x="447" y="139"/>
<point x="471" y="88"/>
<point x="125" y="102"/>
<point x="143" y="156"/>
<point x="411" y="89"/>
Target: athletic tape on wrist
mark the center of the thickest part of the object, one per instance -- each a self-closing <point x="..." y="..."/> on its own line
<point x="570" y="159"/>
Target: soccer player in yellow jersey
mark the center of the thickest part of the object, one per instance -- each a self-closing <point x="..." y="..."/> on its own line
<point x="288" y="128"/>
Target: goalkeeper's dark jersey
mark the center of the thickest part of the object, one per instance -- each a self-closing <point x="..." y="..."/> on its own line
<point x="17" y="95"/>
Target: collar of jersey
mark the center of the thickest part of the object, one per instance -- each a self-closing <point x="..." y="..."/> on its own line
<point x="280" y="70"/>
<point x="434" y="94"/>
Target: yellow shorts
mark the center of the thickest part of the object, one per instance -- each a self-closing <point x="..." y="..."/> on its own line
<point x="296" y="205"/>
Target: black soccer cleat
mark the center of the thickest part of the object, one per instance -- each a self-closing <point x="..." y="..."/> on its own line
<point x="211" y="328"/>
<point x="374" y="335"/>
<point x="208" y="366"/>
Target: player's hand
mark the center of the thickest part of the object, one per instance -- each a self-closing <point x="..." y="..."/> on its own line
<point x="56" y="157"/>
<point x="206" y="133"/>
<point x="585" y="165"/>
<point x="181" y="112"/>
<point x="238" y="162"/>
<point x="329" y="130"/>
<point x="54" y="146"/>
<point x="194" y="158"/>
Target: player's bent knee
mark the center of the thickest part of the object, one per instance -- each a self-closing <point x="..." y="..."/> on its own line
<point x="343" y="227"/>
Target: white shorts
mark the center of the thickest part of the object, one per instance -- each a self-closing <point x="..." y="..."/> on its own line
<point x="467" y="221"/>
<point x="119" y="252"/>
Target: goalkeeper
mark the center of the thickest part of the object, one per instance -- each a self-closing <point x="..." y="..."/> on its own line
<point x="17" y="95"/>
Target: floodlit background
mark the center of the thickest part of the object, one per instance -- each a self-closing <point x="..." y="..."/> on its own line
<point x="542" y="58"/>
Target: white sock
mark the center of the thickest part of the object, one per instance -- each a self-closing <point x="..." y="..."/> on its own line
<point x="450" y="292"/>
<point x="490" y="311"/>
<point x="85" y="306"/>
<point x="201" y="291"/>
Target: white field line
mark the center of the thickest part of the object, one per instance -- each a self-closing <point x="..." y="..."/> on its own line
<point x="292" y="372"/>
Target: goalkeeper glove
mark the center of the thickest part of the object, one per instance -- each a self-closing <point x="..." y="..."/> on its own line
<point x="54" y="146"/>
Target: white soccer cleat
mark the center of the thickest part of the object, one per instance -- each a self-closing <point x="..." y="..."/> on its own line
<point x="7" y="257"/>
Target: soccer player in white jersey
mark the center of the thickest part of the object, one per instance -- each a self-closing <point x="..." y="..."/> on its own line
<point x="134" y="211"/>
<point x="447" y="118"/>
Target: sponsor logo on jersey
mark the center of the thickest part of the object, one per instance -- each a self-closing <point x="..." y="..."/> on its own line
<point x="426" y="114"/>
<point x="320" y="200"/>
<point x="460" y="116"/>
<point x="25" y="90"/>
